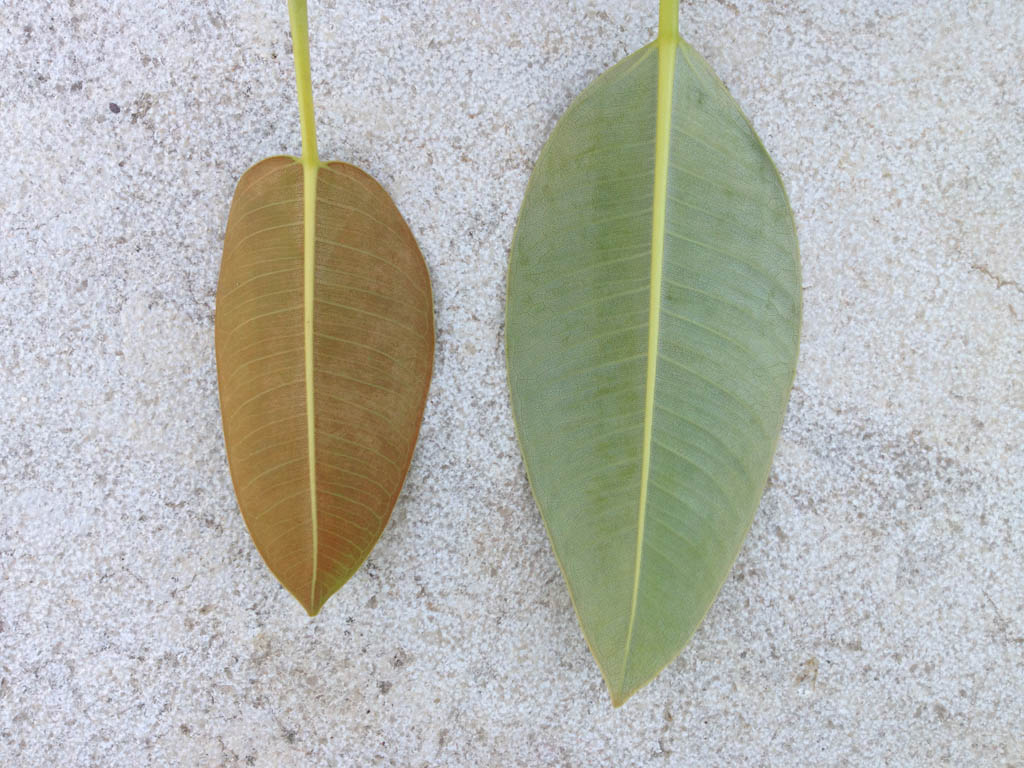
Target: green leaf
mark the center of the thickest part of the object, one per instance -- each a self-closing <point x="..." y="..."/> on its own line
<point x="652" y="330"/>
<point x="325" y="345"/>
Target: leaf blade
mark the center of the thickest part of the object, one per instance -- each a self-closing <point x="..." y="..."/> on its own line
<point x="312" y="362"/>
<point x="720" y="337"/>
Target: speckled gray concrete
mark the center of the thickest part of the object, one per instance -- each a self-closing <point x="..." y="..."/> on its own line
<point x="876" y="613"/>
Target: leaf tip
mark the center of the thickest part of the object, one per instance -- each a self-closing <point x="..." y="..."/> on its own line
<point x="312" y="609"/>
<point x="616" y="686"/>
<point x="305" y="600"/>
<point x="620" y="696"/>
<point x="314" y="604"/>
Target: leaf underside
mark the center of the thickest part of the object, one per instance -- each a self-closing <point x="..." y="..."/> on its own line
<point x="372" y="343"/>
<point x="648" y="468"/>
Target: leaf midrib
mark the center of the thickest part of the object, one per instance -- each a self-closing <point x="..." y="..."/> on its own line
<point x="310" y="161"/>
<point x="668" y="39"/>
<point x="309" y="171"/>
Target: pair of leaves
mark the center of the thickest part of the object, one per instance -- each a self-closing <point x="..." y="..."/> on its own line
<point x="652" y="330"/>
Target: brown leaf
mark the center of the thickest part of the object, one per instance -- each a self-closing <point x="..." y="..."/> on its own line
<point x="370" y="357"/>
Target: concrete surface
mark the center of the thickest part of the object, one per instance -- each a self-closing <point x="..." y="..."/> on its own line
<point x="876" y="614"/>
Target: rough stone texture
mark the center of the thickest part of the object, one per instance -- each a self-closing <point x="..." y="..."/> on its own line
<point x="876" y="613"/>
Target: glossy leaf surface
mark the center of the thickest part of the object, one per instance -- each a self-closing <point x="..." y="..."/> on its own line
<point x="372" y="352"/>
<point x="652" y="331"/>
